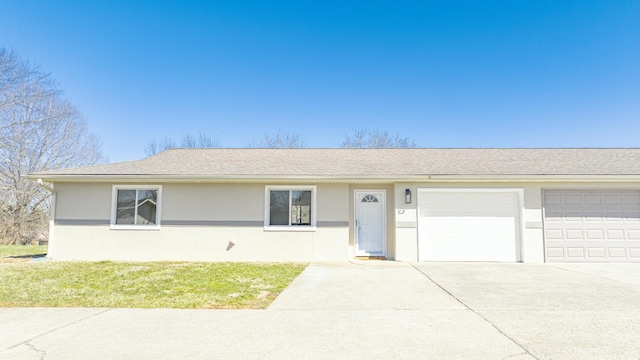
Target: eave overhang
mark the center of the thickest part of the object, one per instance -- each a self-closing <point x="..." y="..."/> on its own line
<point x="383" y="179"/>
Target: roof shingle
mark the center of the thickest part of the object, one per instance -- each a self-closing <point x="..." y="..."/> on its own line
<point x="363" y="163"/>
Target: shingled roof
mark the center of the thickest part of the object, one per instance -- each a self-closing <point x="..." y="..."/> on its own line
<point x="362" y="163"/>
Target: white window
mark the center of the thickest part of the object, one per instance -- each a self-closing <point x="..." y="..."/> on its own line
<point x="136" y="207"/>
<point x="290" y="208"/>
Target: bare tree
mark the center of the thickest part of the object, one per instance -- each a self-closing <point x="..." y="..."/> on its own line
<point x="364" y="138"/>
<point x="156" y="146"/>
<point x="280" y="140"/>
<point x="21" y="84"/>
<point x="357" y="140"/>
<point x="39" y="130"/>
<point x="201" y="141"/>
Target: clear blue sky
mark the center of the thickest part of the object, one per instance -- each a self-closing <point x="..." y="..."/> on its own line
<point x="447" y="73"/>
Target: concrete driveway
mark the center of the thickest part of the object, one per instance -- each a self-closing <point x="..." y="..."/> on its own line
<point x="365" y="310"/>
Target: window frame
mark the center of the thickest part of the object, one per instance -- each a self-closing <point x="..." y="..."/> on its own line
<point x="290" y="188"/>
<point x="114" y="207"/>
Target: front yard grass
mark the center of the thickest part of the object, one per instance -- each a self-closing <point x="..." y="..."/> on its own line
<point x="22" y="250"/>
<point x="144" y="285"/>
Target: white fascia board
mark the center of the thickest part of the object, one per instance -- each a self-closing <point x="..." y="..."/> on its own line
<point x="533" y="178"/>
<point x="336" y="178"/>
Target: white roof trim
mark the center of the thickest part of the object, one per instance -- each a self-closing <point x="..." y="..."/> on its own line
<point x="323" y="178"/>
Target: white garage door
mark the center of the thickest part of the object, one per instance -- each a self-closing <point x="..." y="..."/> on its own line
<point x="592" y="226"/>
<point x="468" y="225"/>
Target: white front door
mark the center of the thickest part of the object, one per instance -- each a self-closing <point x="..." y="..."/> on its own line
<point x="370" y="223"/>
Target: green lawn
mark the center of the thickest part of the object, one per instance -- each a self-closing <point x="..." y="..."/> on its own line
<point x="22" y="250"/>
<point x="144" y="285"/>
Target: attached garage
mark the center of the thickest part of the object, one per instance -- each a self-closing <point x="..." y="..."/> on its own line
<point x="469" y="224"/>
<point x="592" y="226"/>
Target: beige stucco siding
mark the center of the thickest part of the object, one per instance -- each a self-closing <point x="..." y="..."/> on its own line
<point x="83" y="202"/>
<point x="199" y="243"/>
<point x="225" y="222"/>
<point x="333" y="203"/>
<point x="531" y="249"/>
<point x="207" y="202"/>
<point x="199" y="222"/>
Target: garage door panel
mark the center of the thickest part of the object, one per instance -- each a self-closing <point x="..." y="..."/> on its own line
<point x="570" y="199"/>
<point x="613" y="199"/>
<point x="595" y="234"/>
<point x="592" y="199"/>
<point x="574" y="235"/>
<point x="575" y="252"/>
<point x="633" y="216"/>
<point x="598" y="226"/>
<point x="553" y="199"/>
<point x="614" y="216"/>
<point x="613" y="234"/>
<point x="553" y="234"/>
<point x="555" y="216"/>
<point x="593" y="216"/>
<point x="468" y="225"/>
<point x="617" y="253"/>
<point x="555" y="253"/>
<point x="572" y="216"/>
<point x="632" y="199"/>
<point x="596" y="253"/>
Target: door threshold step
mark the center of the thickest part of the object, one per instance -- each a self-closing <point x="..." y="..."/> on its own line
<point x="371" y="258"/>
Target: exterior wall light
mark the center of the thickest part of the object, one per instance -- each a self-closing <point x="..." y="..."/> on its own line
<point x="407" y="196"/>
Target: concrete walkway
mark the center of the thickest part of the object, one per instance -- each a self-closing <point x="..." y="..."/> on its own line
<point x="366" y="310"/>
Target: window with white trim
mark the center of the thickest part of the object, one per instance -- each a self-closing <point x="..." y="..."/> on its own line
<point x="136" y="206"/>
<point x="290" y="207"/>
